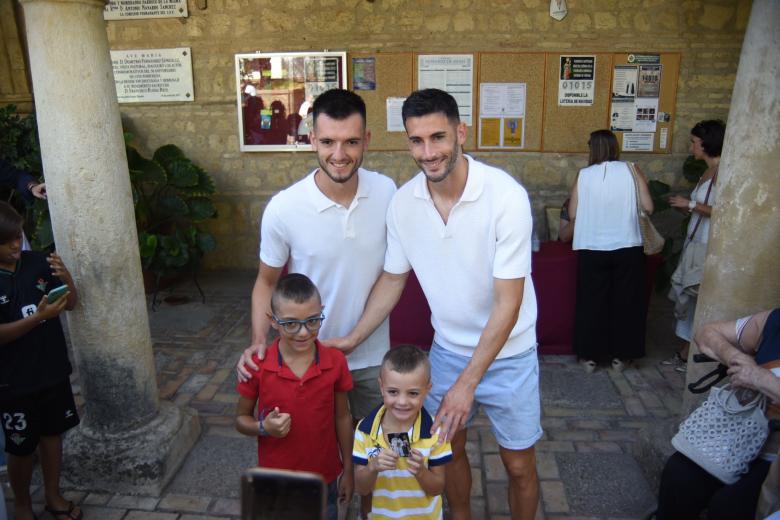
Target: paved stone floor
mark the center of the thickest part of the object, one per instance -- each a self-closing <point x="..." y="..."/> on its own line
<point x="592" y="422"/>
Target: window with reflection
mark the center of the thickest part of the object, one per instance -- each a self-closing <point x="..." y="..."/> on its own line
<point x="275" y="96"/>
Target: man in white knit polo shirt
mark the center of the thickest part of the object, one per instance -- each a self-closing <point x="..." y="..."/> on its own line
<point x="330" y="226"/>
<point x="465" y="229"/>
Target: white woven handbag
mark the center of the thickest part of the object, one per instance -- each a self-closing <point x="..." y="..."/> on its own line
<point x="722" y="435"/>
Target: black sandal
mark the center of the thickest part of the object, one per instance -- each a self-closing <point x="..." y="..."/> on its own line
<point x="56" y="513"/>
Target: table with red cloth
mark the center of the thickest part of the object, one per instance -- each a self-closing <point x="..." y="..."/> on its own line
<point x="554" y="272"/>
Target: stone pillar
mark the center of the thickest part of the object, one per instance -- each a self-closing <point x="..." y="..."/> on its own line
<point x="741" y="271"/>
<point x="127" y="441"/>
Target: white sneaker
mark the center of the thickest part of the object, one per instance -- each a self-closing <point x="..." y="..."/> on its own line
<point x="675" y="360"/>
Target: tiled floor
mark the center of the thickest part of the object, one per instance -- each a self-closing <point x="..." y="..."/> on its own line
<point x="584" y="460"/>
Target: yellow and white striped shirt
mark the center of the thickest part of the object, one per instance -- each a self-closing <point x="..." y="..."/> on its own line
<point x="397" y="494"/>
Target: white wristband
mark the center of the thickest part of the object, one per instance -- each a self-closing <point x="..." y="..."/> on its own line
<point x="691" y="205"/>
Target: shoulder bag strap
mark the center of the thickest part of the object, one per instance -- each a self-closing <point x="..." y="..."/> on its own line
<point x="706" y="199"/>
<point x="639" y="211"/>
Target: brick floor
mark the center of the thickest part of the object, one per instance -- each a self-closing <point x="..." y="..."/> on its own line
<point x="195" y="358"/>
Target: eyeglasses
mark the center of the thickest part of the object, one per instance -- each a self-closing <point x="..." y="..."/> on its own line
<point x="294" y="326"/>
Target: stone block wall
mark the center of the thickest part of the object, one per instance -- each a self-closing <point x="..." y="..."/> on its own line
<point x="707" y="33"/>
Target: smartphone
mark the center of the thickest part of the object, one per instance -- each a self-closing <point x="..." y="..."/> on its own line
<point x="277" y="494"/>
<point x="56" y="293"/>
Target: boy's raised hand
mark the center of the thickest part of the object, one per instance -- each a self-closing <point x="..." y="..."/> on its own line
<point x="385" y="460"/>
<point x="47" y="311"/>
<point x="277" y="424"/>
<point x="415" y="462"/>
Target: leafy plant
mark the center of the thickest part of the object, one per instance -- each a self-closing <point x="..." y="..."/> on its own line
<point x="171" y="195"/>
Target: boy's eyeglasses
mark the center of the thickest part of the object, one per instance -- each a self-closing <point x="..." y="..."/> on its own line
<point x="294" y="326"/>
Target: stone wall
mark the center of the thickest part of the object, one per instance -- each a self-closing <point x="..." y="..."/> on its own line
<point x="708" y="34"/>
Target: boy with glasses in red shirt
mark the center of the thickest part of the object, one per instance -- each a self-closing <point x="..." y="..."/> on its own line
<point x="300" y="392"/>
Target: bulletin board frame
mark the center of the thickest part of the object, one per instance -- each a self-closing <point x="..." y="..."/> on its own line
<point x="548" y="126"/>
<point x="667" y="107"/>
<point x="394" y="73"/>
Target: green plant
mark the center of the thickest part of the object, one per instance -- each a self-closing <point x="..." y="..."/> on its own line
<point x="19" y="146"/>
<point x="172" y="195"/>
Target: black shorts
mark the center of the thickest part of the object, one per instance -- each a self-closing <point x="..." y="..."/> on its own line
<point x="26" y="418"/>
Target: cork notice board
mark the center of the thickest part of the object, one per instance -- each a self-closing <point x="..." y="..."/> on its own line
<point x="394" y="73"/>
<point x="548" y="126"/>
<point x="566" y="128"/>
<point x="525" y="68"/>
<point x="670" y="71"/>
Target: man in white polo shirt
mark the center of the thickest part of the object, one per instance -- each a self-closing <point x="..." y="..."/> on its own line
<point x="465" y="229"/>
<point x="330" y="226"/>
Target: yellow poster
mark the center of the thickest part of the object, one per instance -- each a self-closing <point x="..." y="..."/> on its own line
<point x="489" y="132"/>
<point x="513" y="132"/>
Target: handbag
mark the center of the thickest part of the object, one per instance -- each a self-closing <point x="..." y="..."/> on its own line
<point x="652" y="241"/>
<point x="723" y="436"/>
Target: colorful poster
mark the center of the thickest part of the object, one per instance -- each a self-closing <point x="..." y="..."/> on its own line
<point x="363" y="73"/>
<point x="576" y="82"/>
<point x="501" y="115"/>
<point x="490" y="132"/>
<point x="513" y="132"/>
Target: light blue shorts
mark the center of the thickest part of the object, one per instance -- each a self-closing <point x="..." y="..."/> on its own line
<point x="509" y="394"/>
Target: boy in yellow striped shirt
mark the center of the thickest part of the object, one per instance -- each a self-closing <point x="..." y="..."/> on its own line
<point x="396" y="457"/>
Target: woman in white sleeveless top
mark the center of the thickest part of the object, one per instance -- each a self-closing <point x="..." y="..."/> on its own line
<point x="706" y="145"/>
<point x="610" y="309"/>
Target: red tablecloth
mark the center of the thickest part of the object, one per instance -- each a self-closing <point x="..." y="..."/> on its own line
<point x="410" y="321"/>
<point x="554" y="272"/>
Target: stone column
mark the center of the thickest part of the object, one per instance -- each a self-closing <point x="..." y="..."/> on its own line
<point x="128" y="441"/>
<point x="741" y="271"/>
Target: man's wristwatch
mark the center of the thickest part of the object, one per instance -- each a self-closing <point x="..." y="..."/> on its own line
<point x="691" y="205"/>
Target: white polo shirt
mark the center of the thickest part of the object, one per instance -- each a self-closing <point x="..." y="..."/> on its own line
<point x="487" y="236"/>
<point x="341" y="249"/>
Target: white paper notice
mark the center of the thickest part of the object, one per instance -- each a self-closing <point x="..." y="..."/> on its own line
<point x="502" y="99"/>
<point x="622" y="115"/>
<point x="638" y="141"/>
<point x="395" y="122"/>
<point x="646" y="112"/>
<point x="153" y="75"/>
<point x="624" y="81"/>
<point x="453" y="73"/>
<point x="663" y="138"/>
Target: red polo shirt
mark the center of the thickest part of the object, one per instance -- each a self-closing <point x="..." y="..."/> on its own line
<point x="311" y="444"/>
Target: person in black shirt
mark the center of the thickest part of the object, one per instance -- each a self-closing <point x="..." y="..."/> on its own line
<point x="36" y="400"/>
<point x="22" y="181"/>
